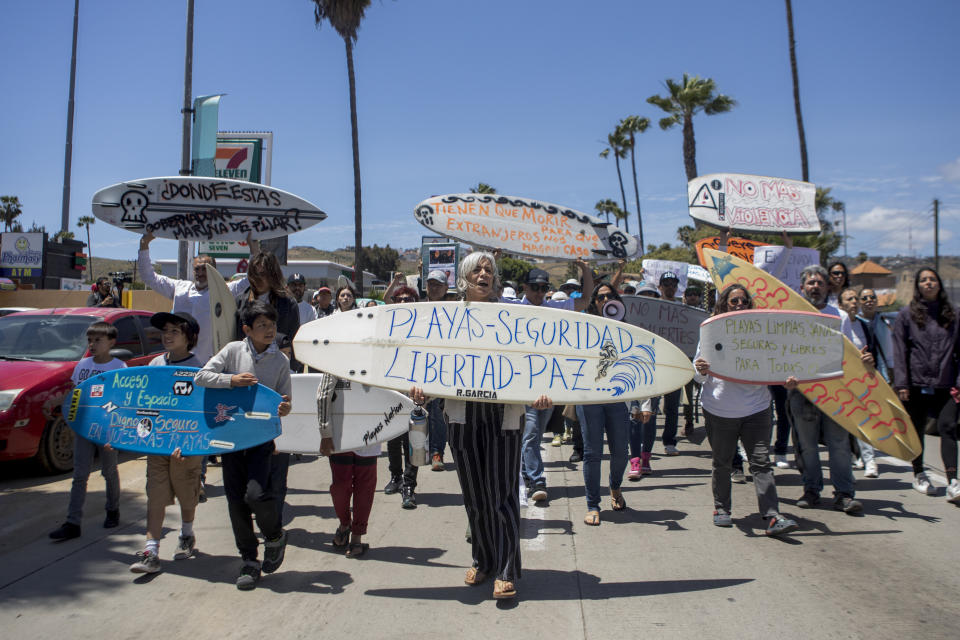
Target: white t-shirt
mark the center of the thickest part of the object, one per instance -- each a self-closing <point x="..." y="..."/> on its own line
<point x="87" y="368"/>
<point x="307" y="313"/>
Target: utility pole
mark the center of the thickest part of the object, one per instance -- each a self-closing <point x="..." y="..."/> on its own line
<point x="68" y="151"/>
<point x="183" y="246"/>
<point x="845" y="254"/>
<point x="936" y="235"/>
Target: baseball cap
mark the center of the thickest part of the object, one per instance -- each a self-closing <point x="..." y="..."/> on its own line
<point x="324" y="290"/>
<point x="437" y="275"/>
<point x="668" y="275"/>
<point x="296" y="278"/>
<point x="509" y="292"/>
<point x="648" y="287"/>
<point x="693" y="288"/>
<point x="537" y="276"/>
<point x="159" y="320"/>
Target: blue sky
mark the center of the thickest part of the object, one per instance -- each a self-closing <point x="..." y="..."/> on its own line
<point x="516" y="93"/>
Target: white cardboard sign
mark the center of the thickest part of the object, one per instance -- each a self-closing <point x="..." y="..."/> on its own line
<point x="785" y="263"/>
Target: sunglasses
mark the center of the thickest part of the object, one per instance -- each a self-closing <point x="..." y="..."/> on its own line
<point x="837" y="273"/>
<point x="539" y="287"/>
<point x="738" y="301"/>
<point x="406" y="299"/>
<point x="868" y="297"/>
<point x="604" y="296"/>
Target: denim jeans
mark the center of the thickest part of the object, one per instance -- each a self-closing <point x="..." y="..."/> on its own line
<point x="531" y="462"/>
<point x="643" y="435"/>
<point x="438" y="426"/>
<point x="595" y="420"/>
<point x="867" y="452"/>
<point x="83" y="452"/>
<point x="671" y="408"/>
<point x="809" y="423"/>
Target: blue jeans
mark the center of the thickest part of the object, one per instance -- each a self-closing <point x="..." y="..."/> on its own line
<point x="438" y="426"/>
<point x="809" y="423"/>
<point x="83" y="452"/>
<point x="671" y="409"/>
<point x="642" y="435"/>
<point x="595" y="420"/>
<point x="531" y="462"/>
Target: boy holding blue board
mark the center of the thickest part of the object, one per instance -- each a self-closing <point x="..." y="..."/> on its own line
<point x="175" y="475"/>
<point x="243" y="363"/>
<point x="101" y="338"/>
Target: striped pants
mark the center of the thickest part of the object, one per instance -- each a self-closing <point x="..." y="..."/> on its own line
<point x="488" y="466"/>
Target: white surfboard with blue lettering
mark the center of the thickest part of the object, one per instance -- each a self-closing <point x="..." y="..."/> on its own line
<point x="493" y="352"/>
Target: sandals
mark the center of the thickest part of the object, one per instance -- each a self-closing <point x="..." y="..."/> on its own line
<point x="357" y="549"/>
<point x="504" y="589"/>
<point x="342" y="537"/>
<point x="592" y="518"/>
<point x="617" y="503"/>
<point x="474" y="576"/>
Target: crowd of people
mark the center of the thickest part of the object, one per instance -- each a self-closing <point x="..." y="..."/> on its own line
<point x="496" y="448"/>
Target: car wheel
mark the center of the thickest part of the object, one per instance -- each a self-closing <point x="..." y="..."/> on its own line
<point x="56" y="447"/>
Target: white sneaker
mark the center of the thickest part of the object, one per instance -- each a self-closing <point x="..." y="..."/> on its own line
<point x="670" y="450"/>
<point x="781" y="461"/>
<point x="922" y="484"/>
<point x="858" y="463"/>
<point x="147" y="562"/>
<point x="953" y="492"/>
<point x="870" y="470"/>
<point x="738" y="477"/>
<point x="186" y="546"/>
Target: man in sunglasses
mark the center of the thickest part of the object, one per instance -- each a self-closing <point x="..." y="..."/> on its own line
<point x="535" y="287"/>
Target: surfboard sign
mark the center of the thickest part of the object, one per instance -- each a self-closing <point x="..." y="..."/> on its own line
<point x="200" y="208"/>
<point x="768" y="346"/>
<point x="743" y="248"/>
<point x="672" y="321"/>
<point x="524" y="226"/>
<point x="494" y="352"/>
<point x="756" y="204"/>
<point x="360" y="415"/>
<point x="155" y="410"/>
<point x="861" y="401"/>
<point x="223" y="310"/>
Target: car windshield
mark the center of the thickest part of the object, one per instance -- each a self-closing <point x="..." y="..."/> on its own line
<point x="53" y="338"/>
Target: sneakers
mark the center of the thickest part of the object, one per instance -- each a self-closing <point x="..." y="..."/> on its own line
<point x="202" y="497"/>
<point x="645" y="468"/>
<point x="557" y="440"/>
<point x="185" y="547"/>
<point x="634" y="473"/>
<point x="870" y="470"/>
<point x="738" y="476"/>
<point x="722" y="519"/>
<point x="537" y="493"/>
<point x="273" y="551"/>
<point x="576" y="456"/>
<point x="67" y="531"/>
<point x="393" y="486"/>
<point x="436" y="462"/>
<point x="567" y="435"/>
<point x="780" y="460"/>
<point x="847" y="505"/>
<point x="780" y="525"/>
<point x="670" y="450"/>
<point x="922" y="485"/>
<point x="409" y="500"/>
<point x="112" y="520"/>
<point x="249" y="577"/>
<point x="858" y="463"/>
<point x="147" y="562"/>
<point x="809" y="499"/>
<point x="953" y="492"/>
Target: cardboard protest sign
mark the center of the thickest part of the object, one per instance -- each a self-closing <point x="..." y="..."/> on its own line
<point x="740" y="247"/>
<point x="785" y="263"/>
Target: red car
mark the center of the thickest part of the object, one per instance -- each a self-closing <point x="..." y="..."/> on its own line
<point x="38" y="352"/>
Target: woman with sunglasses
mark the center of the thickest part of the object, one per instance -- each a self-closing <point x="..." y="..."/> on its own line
<point x="839" y="280"/>
<point x="735" y="411"/>
<point x="485" y="440"/>
<point x="597" y="420"/>
<point x="926" y="346"/>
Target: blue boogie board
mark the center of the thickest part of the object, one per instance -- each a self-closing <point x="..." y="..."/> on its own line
<point x="154" y="410"/>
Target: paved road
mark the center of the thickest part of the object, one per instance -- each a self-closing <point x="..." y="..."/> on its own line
<point x="660" y="567"/>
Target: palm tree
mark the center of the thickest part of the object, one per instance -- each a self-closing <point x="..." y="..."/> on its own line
<point x="796" y="94"/>
<point x="630" y="126"/>
<point x="606" y="207"/>
<point x="618" y="145"/>
<point x="483" y="187"/>
<point x="10" y="209"/>
<point x="683" y="101"/>
<point x="86" y="221"/>
<point x="345" y="17"/>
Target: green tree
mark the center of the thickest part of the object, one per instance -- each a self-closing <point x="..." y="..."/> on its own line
<point x="630" y="127"/>
<point x="617" y="142"/>
<point x="10" y="210"/>
<point x="796" y="94"/>
<point x="482" y="187"/>
<point x="62" y="235"/>
<point x="607" y="207"/>
<point x="86" y="221"/>
<point x="381" y="261"/>
<point x="684" y="100"/>
<point x="513" y="269"/>
<point x="345" y="17"/>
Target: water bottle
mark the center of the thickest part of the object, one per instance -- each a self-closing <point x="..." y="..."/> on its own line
<point x="419" y="438"/>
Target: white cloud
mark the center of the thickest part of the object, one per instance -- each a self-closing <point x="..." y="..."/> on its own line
<point x="898" y="229"/>
<point x="951" y="170"/>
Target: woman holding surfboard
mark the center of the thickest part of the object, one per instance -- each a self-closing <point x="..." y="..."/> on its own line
<point x="485" y="440"/>
<point x="926" y="347"/>
<point x="595" y="420"/>
<point x="735" y="411"/>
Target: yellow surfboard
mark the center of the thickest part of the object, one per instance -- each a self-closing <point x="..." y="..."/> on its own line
<point x="861" y="401"/>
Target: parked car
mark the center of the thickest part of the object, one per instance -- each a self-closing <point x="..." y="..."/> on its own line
<point x="5" y="311"/>
<point x="38" y="352"/>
